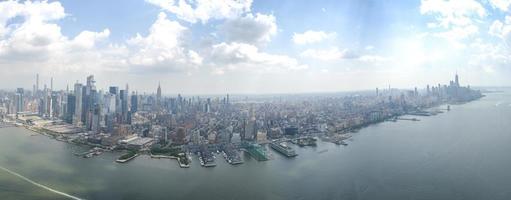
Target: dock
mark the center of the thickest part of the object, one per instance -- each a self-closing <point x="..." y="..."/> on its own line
<point x="126" y="159"/>
<point x="257" y="152"/>
<point x="408" y="119"/>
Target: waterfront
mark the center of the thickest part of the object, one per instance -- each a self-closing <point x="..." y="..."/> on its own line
<point x="460" y="154"/>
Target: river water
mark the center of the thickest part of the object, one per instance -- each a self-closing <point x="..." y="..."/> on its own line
<point x="461" y="154"/>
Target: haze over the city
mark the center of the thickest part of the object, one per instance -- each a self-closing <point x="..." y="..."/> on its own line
<point x="246" y="46"/>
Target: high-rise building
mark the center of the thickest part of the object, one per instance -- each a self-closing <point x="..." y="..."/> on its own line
<point x="91" y="82"/>
<point x="71" y="105"/>
<point x="250" y="129"/>
<point x="19" y="100"/>
<point x="36" y="84"/>
<point x="158" y="96"/>
<point x="78" y="106"/>
<point x="456" y="80"/>
<point x="54" y="104"/>
<point x="96" y="117"/>
<point x="109" y="122"/>
<point x="109" y="103"/>
<point x="114" y="90"/>
<point x="134" y="103"/>
<point x="124" y="105"/>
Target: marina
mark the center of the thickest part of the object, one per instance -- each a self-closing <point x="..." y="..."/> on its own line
<point x="206" y="158"/>
<point x="232" y="155"/>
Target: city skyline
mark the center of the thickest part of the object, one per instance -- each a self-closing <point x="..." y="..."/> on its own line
<point x="159" y="92"/>
<point x="255" y="99"/>
<point x="253" y="46"/>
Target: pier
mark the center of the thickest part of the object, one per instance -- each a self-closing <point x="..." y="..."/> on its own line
<point x="257" y="152"/>
<point x="126" y="157"/>
<point x="408" y="119"/>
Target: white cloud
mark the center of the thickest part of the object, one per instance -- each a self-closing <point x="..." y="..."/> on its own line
<point x="334" y="54"/>
<point x="373" y="58"/>
<point x="489" y="58"/>
<point x="369" y="48"/>
<point x="501" y="4"/>
<point x="310" y="36"/>
<point x="241" y="56"/>
<point x="456" y="21"/>
<point x="496" y="28"/>
<point x="251" y="29"/>
<point x="36" y="42"/>
<point x="87" y="39"/>
<point x="331" y="54"/>
<point x="35" y="38"/>
<point x="204" y="10"/>
<point x="454" y="12"/>
<point x="501" y="30"/>
<point x="457" y="35"/>
<point x="162" y="50"/>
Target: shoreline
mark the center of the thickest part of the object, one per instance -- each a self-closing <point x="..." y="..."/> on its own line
<point x="425" y="112"/>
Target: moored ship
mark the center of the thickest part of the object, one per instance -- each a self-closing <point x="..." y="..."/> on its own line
<point x="283" y="149"/>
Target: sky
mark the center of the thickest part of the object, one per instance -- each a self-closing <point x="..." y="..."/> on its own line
<point x="255" y="46"/>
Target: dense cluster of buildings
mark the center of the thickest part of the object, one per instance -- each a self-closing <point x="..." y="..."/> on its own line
<point x="118" y="117"/>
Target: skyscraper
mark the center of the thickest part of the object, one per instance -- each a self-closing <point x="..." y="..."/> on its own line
<point x="113" y="90"/>
<point x="36" y="83"/>
<point x="78" y="106"/>
<point x="71" y="105"/>
<point x="134" y="103"/>
<point x="20" y="102"/>
<point x="91" y="82"/>
<point x="124" y="105"/>
<point x="456" y="80"/>
<point x="250" y="129"/>
<point x="95" y="121"/>
<point x="158" y="96"/>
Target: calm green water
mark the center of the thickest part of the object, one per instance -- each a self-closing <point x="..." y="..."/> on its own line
<point x="461" y="154"/>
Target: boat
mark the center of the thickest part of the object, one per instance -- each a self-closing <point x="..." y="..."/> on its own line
<point x="283" y="149"/>
<point x="307" y="141"/>
<point x="341" y="142"/>
<point x="207" y="159"/>
<point x="119" y="160"/>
